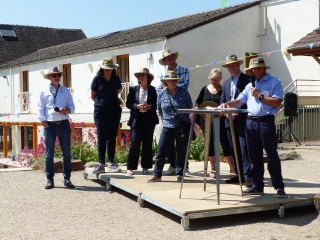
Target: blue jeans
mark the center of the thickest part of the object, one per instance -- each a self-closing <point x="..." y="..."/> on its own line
<point x="62" y="130"/>
<point x="166" y="141"/>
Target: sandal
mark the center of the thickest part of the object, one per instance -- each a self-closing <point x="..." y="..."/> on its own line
<point x="212" y="174"/>
<point x="129" y="173"/>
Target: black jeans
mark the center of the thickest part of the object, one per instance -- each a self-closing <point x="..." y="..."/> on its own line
<point x="107" y="124"/>
<point x="166" y="141"/>
<point x="141" y="135"/>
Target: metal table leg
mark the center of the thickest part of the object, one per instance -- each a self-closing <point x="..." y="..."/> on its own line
<point x="235" y="149"/>
<point x="188" y="151"/>
<point x="216" y="132"/>
<point x="207" y="133"/>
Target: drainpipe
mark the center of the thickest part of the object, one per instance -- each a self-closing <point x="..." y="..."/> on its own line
<point x="12" y="92"/>
<point x="265" y="15"/>
<point x="164" y="44"/>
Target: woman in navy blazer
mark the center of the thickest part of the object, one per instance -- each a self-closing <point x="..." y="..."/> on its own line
<point x="142" y="100"/>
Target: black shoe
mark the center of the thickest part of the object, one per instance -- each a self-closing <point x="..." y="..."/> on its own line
<point x="68" y="184"/>
<point x="49" y="185"/>
<point x="252" y="191"/>
<point x="281" y="193"/>
<point x="248" y="184"/>
<point x="234" y="179"/>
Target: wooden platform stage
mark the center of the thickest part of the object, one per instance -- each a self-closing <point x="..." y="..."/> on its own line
<point x="196" y="203"/>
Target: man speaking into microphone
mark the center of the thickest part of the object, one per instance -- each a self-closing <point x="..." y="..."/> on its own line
<point x="55" y="104"/>
<point x="263" y="102"/>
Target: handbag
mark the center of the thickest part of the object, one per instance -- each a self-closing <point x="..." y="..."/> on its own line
<point x="184" y="127"/>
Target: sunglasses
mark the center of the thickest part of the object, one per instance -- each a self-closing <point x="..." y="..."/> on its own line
<point x="56" y="75"/>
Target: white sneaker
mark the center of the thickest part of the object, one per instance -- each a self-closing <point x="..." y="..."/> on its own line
<point x="170" y="171"/>
<point x="187" y="172"/>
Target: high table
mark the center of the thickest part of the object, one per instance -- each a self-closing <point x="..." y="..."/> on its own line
<point x="212" y="114"/>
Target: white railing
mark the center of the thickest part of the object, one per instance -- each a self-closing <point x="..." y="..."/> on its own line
<point x="24" y="101"/>
<point x="124" y="93"/>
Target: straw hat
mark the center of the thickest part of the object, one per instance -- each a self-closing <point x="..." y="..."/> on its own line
<point x="150" y="76"/>
<point x="107" y="63"/>
<point x="256" y="62"/>
<point x="51" y="71"/>
<point x="231" y="59"/>
<point x="207" y="104"/>
<point x="166" y="53"/>
<point x="170" y="75"/>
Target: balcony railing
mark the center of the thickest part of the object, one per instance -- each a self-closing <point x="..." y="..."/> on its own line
<point x="24" y="101"/>
<point x="124" y="93"/>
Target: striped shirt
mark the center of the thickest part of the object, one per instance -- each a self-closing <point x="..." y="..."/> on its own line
<point x="182" y="72"/>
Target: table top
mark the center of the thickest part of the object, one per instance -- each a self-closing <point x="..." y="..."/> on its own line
<point x="212" y="110"/>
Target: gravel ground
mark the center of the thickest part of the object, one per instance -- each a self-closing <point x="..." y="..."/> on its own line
<point x="28" y="211"/>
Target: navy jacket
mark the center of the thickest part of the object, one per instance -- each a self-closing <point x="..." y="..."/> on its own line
<point x="226" y="97"/>
<point x="133" y="101"/>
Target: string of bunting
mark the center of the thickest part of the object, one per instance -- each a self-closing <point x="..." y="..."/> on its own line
<point x="311" y="45"/>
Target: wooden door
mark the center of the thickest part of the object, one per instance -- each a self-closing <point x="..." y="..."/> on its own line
<point x="67" y="81"/>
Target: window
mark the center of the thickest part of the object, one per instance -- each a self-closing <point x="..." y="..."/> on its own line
<point x="26" y="137"/>
<point x="9" y="138"/>
<point x="25" y="81"/>
<point x="67" y="75"/>
<point x="123" y="69"/>
<point x="7" y="32"/>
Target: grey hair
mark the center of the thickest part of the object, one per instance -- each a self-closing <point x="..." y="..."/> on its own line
<point x="215" y="72"/>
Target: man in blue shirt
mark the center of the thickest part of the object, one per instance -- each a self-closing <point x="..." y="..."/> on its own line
<point x="169" y="59"/>
<point x="263" y="99"/>
<point x="55" y="104"/>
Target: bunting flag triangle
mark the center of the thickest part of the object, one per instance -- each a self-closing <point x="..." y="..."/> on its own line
<point x="311" y="45"/>
<point x="197" y="66"/>
<point x="250" y="54"/>
<point x="214" y="62"/>
<point x="269" y="53"/>
<point x="223" y="3"/>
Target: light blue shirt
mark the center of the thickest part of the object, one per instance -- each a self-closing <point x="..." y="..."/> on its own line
<point x="269" y="86"/>
<point x="182" y="72"/>
<point x="46" y="103"/>
<point x="234" y="82"/>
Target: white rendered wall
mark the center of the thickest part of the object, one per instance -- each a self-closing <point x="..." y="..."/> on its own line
<point x="288" y="23"/>
<point x="235" y="34"/>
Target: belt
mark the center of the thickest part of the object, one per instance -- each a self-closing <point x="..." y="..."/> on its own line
<point x="258" y="118"/>
<point x="58" y="122"/>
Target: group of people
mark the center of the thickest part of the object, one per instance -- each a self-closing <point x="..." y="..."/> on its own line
<point x="254" y="130"/>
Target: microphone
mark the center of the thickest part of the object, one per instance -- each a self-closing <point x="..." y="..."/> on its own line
<point x="252" y="80"/>
<point x="56" y="109"/>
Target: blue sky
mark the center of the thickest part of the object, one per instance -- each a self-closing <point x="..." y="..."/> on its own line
<point x="98" y="17"/>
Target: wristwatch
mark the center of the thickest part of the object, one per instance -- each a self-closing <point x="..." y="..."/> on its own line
<point x="261" y="96"/>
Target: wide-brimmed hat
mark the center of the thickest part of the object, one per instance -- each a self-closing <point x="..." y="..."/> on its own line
<point x="166" y="53"/>
<point x="107" y="63"/>
<point x="206" y="104"/>
<point x="256" y="62"/>
<point x="231" y="59"/>
<point x="150" y="76"/>
<point x="170" y="75"/>
<point x="51" y="71"/>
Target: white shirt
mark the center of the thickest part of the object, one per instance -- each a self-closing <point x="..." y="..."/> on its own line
<point x="49" y="99"/>
<point x="143" y="97"/>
